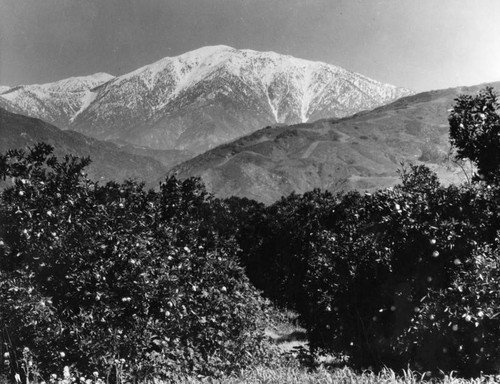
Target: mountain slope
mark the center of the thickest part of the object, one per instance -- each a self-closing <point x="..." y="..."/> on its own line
<point x="206" y="97"/>
<point x="214" y="94"/>
<point x="7" y="105"/>
<point x="55" y="103"/>
<point x="109" y="162"/>
<point x="360" y="152"/>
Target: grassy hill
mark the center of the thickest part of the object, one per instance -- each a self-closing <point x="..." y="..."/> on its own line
<point x="360" y="152"/>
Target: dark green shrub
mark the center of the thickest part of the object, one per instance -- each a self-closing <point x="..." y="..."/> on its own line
<point x="369" y="274"/>
<point x="277" y="242"/>
<point x="370" y="281"/>
<point x="92" y="274"/>
<point x="458" y="325"/>
<point x="474" y="131"/>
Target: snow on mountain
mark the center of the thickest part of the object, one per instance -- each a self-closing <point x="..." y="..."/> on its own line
<point x="215" y="94"/>
<point x="55" y="102"/>
<point x="4" y="88"/>
<point x="212" y="95"/>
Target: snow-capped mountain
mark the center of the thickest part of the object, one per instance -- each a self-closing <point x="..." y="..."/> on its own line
<point x="56" y="103"/>
<point x="4" y="88"/>
<point x="212" y="95"/>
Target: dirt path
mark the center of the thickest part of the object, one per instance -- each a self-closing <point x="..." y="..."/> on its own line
<point x="287" y="342"/>
<point x="310" y="150"/>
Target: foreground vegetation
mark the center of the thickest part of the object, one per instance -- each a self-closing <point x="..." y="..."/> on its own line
<point x="294" y="375"/>
<point x="115" y="276"/>
<point x="291" y="373"/>
<point x="137" y="284"/>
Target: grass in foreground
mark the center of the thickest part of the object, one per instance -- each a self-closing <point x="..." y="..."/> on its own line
<point x="295" y="375"/>
<point x="290" y="372"/>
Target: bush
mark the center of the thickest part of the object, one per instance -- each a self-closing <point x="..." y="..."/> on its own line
<point x="377" y="276"/>
<point x="277" y="241"/>
<point x="474" y="131"/>
<point x="91" y="274"/>
<point x="459" y="325"/>
<point x="377" y="271"/>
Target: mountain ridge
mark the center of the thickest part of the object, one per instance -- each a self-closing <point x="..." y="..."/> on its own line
<point x="54" y="102"/>
<point x="215" y="94"/>
<point x="225" y="91"/>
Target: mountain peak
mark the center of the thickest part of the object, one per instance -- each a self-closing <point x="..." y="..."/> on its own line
<point x="191" y="60"/>
<point x="206" y="51"/>
<point x="204" y="97"/>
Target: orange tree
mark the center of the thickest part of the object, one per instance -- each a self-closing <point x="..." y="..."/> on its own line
<point x="475" y="131"/>
<point x="116" y="278"/>
<point x="403" y="276"/>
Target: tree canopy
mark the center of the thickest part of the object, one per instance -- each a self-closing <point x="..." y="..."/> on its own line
<point x="475" y="131"/>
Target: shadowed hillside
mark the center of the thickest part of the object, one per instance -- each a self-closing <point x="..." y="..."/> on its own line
<point x="109" y="162"/>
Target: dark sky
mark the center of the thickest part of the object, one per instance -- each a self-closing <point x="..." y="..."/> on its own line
<point x="420" y="44"/>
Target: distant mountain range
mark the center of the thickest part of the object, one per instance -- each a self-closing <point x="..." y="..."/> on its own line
<point x="215" y="101"/>
<point x="361" y="152"/>
<point x="198" y="100"/>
